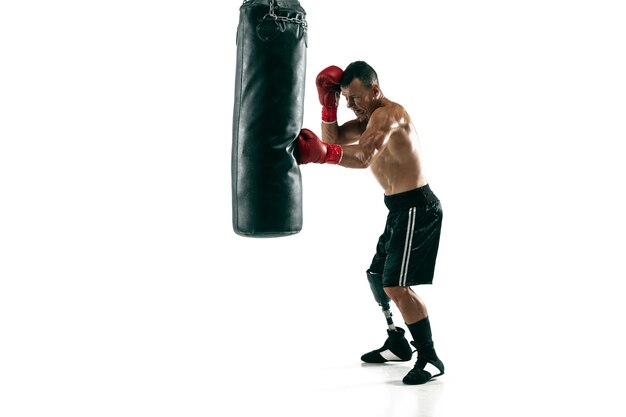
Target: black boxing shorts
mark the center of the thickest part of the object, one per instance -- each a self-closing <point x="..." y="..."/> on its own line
<point x="407" y="250"/>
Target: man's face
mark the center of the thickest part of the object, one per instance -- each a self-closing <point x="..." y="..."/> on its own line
<point x="360" y="98"/>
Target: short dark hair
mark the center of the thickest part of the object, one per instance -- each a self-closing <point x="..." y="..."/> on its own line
<point x="361" y="70"/>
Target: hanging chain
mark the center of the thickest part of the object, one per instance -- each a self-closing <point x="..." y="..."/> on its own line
<point x="273" y="15"/>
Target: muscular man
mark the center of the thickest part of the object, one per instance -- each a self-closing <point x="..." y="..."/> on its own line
<point x="382" y="137"/>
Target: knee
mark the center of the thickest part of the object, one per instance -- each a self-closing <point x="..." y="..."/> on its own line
<point x="397" y="294"/>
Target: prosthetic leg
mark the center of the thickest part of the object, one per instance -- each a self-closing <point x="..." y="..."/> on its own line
<point x="396" y="348"/>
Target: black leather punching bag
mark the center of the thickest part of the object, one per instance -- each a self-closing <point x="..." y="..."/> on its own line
<point x="268" y="114"/>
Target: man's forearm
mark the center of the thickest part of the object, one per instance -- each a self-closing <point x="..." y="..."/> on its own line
<point x="330" y="132"/>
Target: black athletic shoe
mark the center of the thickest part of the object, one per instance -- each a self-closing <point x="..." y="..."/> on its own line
<point x="418" y="375"/>
<point x="395" y="349"/>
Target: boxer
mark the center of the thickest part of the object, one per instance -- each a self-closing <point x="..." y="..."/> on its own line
<point x="383" y="138"/>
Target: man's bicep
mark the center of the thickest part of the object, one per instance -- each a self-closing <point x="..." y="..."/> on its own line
<point x="350" y="132"/>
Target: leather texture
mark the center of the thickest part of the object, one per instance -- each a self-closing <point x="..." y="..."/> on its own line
<point x="267" y="118"/>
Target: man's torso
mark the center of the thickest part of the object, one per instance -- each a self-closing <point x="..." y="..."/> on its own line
<point x="398" y="166"/>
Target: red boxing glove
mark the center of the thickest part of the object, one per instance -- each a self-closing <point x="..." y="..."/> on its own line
<point x="310" y="148"/>
<point x="328" y="89"/>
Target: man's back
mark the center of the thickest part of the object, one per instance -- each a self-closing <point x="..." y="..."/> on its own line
<point x="397" y="166"/>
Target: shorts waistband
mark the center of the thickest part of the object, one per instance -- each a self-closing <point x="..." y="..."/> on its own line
<point x="417" y="197"/>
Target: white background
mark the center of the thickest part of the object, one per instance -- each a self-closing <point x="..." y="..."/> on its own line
<point x="124" y="290"/>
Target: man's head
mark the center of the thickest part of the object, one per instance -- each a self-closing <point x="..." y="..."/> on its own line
<point x="360" y="70"/>
<point x="359" y="85"/>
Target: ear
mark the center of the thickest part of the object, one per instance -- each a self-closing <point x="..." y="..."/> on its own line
<point x="376" y="90"/>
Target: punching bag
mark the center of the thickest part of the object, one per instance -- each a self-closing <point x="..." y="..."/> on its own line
<point x="267" y="118"/>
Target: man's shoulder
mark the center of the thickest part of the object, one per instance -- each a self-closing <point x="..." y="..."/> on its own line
<point x="392" y="111"/>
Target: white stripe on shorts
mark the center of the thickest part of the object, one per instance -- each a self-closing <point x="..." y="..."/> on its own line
<point x="407" y="247"/>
